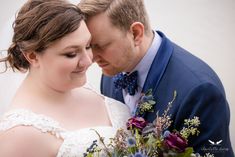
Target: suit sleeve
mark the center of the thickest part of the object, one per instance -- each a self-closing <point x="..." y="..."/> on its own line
<point x="106" y="86"/>
<point x="208" y="103"/>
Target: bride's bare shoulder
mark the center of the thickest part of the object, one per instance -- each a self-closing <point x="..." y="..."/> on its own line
<point x="27" y="141"/>
<point x="88" y="93"/>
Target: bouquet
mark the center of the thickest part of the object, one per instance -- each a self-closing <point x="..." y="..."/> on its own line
<point x="143" y="139"/>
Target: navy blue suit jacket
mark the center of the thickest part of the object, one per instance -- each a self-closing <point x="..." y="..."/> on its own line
<point x="199" y="93"/>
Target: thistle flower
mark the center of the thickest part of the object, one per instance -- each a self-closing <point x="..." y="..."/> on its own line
<point x="139" y="154"/>
<point x="131" y="142"/>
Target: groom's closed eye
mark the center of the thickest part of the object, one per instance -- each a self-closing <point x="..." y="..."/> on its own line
<point x="97" y="49"/>
<point x="100" y="47"/>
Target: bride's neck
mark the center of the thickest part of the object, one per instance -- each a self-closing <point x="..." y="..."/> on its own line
<point x="35" y="90"/>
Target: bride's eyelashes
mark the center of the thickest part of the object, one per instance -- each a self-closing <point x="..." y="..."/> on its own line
<point x="73" y="54"/>
<point x="88" y="47"/>
<point x="70" y="55"/>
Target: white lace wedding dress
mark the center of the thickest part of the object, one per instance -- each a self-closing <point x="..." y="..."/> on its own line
<point x="76" y="142"/>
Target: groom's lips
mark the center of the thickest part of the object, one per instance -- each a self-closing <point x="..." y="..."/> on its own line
<point x="103" y="65"/>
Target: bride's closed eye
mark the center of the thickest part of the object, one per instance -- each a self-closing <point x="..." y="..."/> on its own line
<point x="88" y="47"/>
<point x="70" y="54"/>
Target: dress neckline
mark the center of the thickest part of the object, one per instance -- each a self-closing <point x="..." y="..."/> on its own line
<point x="58" y="124"/>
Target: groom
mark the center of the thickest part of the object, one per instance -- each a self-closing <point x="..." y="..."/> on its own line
<point x="135" y="59"/>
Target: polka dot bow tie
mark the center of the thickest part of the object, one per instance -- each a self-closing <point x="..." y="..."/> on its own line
<point x="127" y="81"/>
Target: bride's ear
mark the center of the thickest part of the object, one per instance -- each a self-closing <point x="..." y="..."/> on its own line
<point x="32" y="58"/>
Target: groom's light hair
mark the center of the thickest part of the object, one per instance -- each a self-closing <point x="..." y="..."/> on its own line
<point x="122" y="13"/>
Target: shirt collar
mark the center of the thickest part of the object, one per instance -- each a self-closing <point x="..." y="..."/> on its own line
<point x="144" y="65"/>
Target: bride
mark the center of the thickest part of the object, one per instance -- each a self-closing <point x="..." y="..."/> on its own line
<point x="53" y="113"/>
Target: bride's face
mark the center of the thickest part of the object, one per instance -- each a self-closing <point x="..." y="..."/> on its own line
<point x="63" y="65"/>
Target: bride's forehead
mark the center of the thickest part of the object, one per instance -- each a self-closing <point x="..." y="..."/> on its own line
<point x="75" y="40"/>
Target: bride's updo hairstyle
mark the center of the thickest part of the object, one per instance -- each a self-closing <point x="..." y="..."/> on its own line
<point x="38" y="24"/>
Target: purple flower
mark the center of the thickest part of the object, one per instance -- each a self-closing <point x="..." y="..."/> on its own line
<point x="176" y="141"/>
<point x="136" y="122"/>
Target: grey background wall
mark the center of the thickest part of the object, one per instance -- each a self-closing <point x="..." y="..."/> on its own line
<point x="204" y="27"/>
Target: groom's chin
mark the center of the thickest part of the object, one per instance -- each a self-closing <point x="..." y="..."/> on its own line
<point x="110" y="72"/>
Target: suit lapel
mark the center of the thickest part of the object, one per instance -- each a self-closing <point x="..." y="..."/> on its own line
<point x="117" y="94"/>
<point x="159" y="64"/>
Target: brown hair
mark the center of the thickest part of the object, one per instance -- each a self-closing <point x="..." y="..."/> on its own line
<point x="38" y="24"/>
<point x="122" y="13"/>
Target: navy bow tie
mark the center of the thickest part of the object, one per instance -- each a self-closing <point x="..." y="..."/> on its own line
<point x="127" y="81"/>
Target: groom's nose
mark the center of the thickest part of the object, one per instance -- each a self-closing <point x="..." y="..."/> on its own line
<point x="96" y="56"/>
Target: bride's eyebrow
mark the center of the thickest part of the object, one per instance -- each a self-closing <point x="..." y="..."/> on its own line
<point x="72" y="46"/>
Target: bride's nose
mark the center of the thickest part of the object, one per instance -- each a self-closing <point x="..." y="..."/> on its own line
<point x="86" y="59"/>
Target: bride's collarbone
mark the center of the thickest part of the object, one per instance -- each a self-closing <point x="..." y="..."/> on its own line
<point x="85" y="117"/>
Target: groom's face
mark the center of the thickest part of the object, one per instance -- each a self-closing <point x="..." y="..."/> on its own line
<point x="113" y="49"/>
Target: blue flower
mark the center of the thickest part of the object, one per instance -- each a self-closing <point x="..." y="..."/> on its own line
<point x="146" y="98"/>
<point x="138" y="154"/>
<point x="131" y="141"/>
<point x="166" y="133"/>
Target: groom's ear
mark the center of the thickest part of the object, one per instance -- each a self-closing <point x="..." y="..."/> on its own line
<point x="137" y="30"/>
<point x="32" y="58"/>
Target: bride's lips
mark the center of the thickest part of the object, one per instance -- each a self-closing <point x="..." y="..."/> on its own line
<point x="80" y="71"/>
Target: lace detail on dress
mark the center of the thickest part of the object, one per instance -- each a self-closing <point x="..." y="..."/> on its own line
<point x="75" y="143"/>
<point x="27" y="118"/>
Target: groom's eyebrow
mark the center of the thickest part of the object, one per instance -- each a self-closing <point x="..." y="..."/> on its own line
<point x="100" y="44"/>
